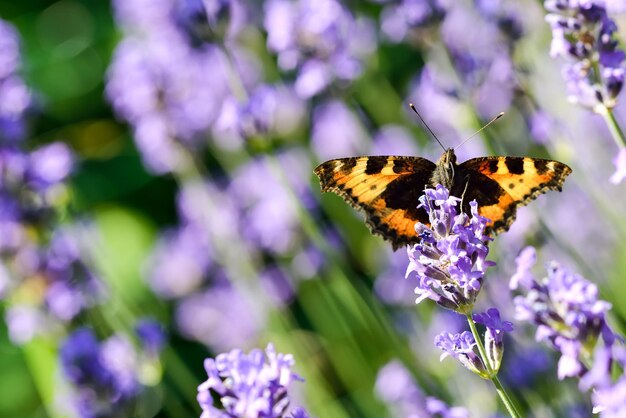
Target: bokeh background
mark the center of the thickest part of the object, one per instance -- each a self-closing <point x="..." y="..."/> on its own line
<point x="159" y="203"/>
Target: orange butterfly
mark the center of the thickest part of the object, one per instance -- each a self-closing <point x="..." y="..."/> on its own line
<point x="388" y="188"/>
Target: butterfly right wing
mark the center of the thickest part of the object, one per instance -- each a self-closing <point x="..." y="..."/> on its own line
<point x="386" y="188"/>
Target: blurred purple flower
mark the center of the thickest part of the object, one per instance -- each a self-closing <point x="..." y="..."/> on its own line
<point x="269" y="200"/>
<point x="25" y="322"/>
<point x="399" y="17"/>
<point x="389" y="286"/>
<point x="566" y="309"/>
<point x="15" y="97"/>
<point x="248" y="385"/>
<point x="393" y="140"/>
<point x="524" y="368"/>
<point x="50" y="164"/>
<point x="102" y="375"/>
<point x="73" y="286"/>
<point x="396" y="387"/>
<point x="167" y="86"/>
<point x="583" y="33"/>
<point x="180" y="262"/>
<point x="337" y="132"/>
<point x="318" y="38"/>
<point x="449" y="262"/>
<point x="609" y="395"/>
<point x="151" y="334"/>
<point x="220" y="317"/>
<point x="270" y="110"/>
<point x="620" y="167"/>
<point x="277" y="284"/>
<point x="481" y="59"/>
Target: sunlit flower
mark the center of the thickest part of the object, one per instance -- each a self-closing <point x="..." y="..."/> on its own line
<point x="450" y="260"/>
<point x="248" y="385"/>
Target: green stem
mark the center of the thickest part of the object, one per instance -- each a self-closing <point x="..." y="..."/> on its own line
<point x="508" y="403"/>
<point x="616" y="130"/>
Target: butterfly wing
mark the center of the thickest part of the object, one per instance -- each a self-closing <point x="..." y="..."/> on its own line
<point x="386" y="188"/>
<point x="502" y="184"/>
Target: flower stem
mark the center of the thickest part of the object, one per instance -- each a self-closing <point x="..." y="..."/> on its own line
<point x="508" y="403"/>
<point x="616" y="130"/>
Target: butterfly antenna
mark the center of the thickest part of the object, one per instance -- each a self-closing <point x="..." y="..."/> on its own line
<point x="481" y="129"/>
<point x="426" y="125"/>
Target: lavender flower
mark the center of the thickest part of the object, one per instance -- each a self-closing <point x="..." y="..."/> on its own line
<point x="15" y="97"/>
<point x="494" y="335"/>
<point x="319" y="39"/>
<point x="229" y="317"/>
<point x="400" y="18"/>
<point x="396" y="387"/>
<point x="449" y="262"/>
<point x="461" y="347"/>
<point x="103" y="375"/>
<point x="167" y="81"/>
<point x="151" y="334"/>
<point x="566" y="309"/>
<point x="248" y="385"/>
<point x="337" y="132"/>
<point x="584" y="34"/>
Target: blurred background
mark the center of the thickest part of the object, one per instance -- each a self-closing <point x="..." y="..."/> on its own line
<point x="159" y="204"/>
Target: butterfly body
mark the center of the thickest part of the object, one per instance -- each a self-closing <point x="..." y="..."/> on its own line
<point x="387" y="188"/>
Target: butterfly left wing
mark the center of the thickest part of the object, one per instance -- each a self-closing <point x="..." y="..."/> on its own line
<point x="502" y="184"/>
<point x="386" y="188"/>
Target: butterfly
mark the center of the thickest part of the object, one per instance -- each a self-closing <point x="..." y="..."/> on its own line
<point x="387" y="188"/>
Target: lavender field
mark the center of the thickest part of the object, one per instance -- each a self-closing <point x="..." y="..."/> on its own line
<point x="166" y="249"/>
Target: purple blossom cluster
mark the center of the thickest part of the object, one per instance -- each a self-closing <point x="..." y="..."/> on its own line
<point x="462" y="346"/>
<point x="450" y="260"/>
<point x="397" y="388"/>
<point x="15" y="96"/>
<point x="248" y="385"/>
<point x="319" y="39"/>
<point x="583" y="33"/>
<point x="105" y="377"/>
<point x="34" y="252"/>
<point x="158" y="81"/>
<point x="572" y="319"/>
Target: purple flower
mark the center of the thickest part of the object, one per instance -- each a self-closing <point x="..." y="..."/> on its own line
<point x="151" y="334"/>
<point x="271" y="110"/>
<point x="583" y="33"/>
<point x="400" y="18"/>
<point x="461" y="347"/>
<point x="269" y="200"/>
<point x="247" y="385"/>
<point x="337" y="132"/>
<point x="180" y="262"/>
<point x="73" y="286"/>
<point x="396" y="387"/>
<point x="220" y="317"/>
<point x="495" y="326"/>
<point x="102" y="375"/>
<point x="319" y="39"/>
<point x="620" y="167"/>
<point x="567" y="311"/>
<point x="494" y="335"/>
<point x="449" y="262"/>
<point x="168" y="82"/>
<point x="15" y="97"/>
